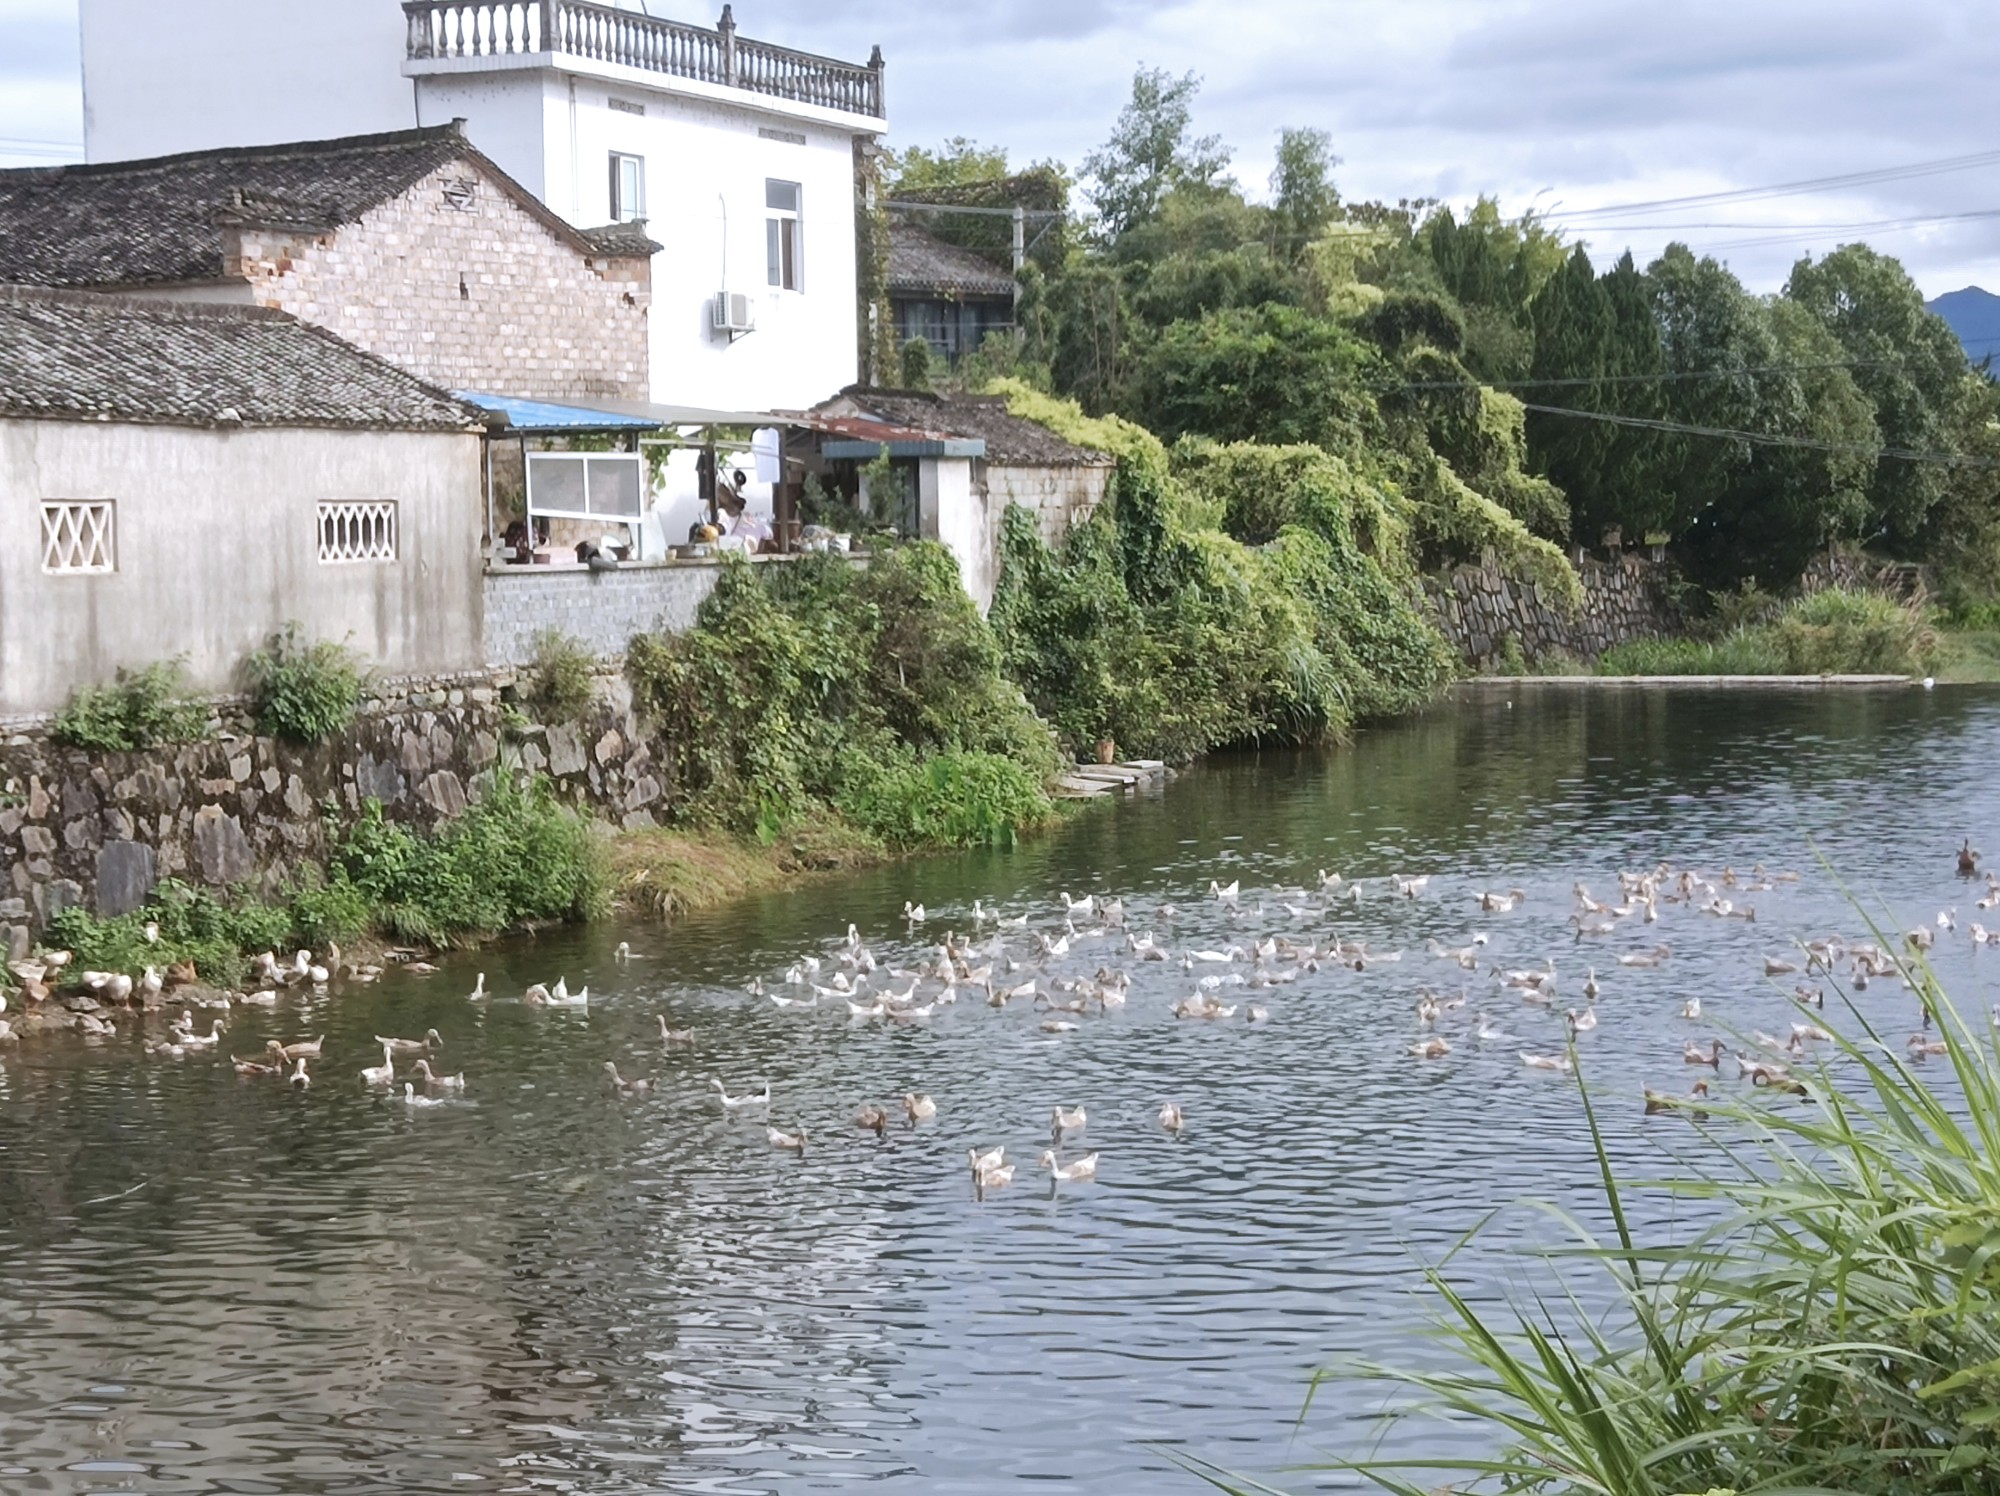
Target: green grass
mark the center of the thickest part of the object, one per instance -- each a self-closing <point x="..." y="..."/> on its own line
<point x="1971" y="656"/>
<point x="1834" y="632"/>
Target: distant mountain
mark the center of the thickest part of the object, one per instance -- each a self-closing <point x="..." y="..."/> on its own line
<point x="1974" y="314"/>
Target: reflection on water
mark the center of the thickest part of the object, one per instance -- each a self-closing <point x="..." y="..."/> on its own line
<point x="210" y="1284"/>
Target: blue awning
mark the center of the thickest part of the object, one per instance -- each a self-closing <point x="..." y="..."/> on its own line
<point x="545" y="418"/>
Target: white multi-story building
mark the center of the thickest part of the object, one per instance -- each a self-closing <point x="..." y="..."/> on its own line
<point x="742" y="158"/>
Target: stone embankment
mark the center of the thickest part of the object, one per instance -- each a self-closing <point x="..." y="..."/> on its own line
<point x="240" y="811"/>
<point x="1480" y="609"/>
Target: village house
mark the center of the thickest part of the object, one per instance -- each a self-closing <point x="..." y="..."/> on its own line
<point x="746" y="156"/>
<point x="181" y="479"/>
<point x="949" y="296"/>
<point x="958" y="462"/>
<point x="410" y="245"/>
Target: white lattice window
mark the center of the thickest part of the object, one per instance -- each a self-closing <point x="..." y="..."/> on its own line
<point x="356" y="532"/>
<point x="80" y="538"/>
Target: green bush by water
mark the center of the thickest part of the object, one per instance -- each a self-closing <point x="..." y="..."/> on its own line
<point x="1837" y="1331"/>
<point x="817" y="689"/>
<point x="1221" y="595"/>
<point x="1834" y="632"/>
<point x="515" y="858"/>
<point x="192" y="925"/>
<point x="304" y="691"/>
<point x="141" y="709"/>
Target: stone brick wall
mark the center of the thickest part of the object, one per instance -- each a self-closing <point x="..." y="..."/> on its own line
<point x="1479" y="608"/>
<point x="1059" y="497"/>
<point x="601" y="610"/>
<point x="245" y="812"/>
<point x="479" y="295"/>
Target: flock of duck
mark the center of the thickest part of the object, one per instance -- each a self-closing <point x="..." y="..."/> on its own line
<point x="1004" y="962"/>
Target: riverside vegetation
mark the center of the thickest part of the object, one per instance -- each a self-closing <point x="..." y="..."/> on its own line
<point x="1836" y="1330"/>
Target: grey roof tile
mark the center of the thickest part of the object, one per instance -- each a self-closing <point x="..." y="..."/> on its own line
<point x="70" y="355"/>
<point x="159" y="221"/>
<point x="921" y="262"/>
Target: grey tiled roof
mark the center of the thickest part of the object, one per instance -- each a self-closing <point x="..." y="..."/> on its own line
<point x="621" y="240"/>
<point x="1010" y="439"/>
<point x="130" y="223"/>
<point x="79" y="355"/>
<point x="921" y="262"/>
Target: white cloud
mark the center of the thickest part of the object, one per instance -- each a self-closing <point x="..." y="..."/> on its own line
<point x="1586" y="102"/>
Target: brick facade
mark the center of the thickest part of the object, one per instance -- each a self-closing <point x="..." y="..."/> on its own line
<point x="458" y="282"/>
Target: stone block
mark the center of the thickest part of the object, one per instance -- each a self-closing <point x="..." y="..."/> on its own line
<point x="445" y="793"/>
<point x="220" y="847"/>
<point x="565" y="752"/>
<point x="125" y="877"/>
<point x="38" y="841"/>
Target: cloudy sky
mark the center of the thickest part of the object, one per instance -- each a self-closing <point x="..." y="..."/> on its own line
<point x="1567" y="104"/>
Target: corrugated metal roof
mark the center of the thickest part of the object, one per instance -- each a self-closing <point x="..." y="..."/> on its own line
<point x="545" y="418"/>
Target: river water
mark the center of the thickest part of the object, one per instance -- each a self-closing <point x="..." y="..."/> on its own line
<point x="211" y="1284"/>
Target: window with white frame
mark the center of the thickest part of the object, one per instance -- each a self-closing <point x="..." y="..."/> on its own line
<point x="628" y="187"/>
<point x="80" y="538"/>
<point x="586" y="485"/>
<point x="781" y="232"/>
<point x="357" y="532"/>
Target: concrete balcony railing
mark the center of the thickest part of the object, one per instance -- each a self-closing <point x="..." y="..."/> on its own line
<point x="444" y="30"/>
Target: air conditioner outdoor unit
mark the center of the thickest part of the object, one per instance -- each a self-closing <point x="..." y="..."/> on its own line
<point x="734" y="313"/>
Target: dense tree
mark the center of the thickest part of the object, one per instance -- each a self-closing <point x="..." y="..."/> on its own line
<point x="1575" y="334"/>
<point x="1150" y="153"/>
<point x="958" y="162"/>
<point x="1267" y="374"/>
<point x="1907" y="362"/>
<point x="1303" y="197"/>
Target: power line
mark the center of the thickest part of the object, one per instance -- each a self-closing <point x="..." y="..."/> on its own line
<point x="1664" y="376"/>
<point x="1768" y="439"/>
<point x="1792" y="189"/>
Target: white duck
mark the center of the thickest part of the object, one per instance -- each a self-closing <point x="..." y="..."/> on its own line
<point x="382" y="1074"/>
<point x="737" y="1103"/>
<point x="1082" y="1168"/>
<point x="442" y="1082"/>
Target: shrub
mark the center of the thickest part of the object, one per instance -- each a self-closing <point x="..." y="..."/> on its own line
<point x="193" y="925"/>
<point x="559" y="684"/>
<point x="515" y="857"/>
<point x="303" y="692"/>
<point x="955" y="800"/>
<point x="800" y="685"/>
<point x="1833" y="632"/>
<point x="141" y="709"/>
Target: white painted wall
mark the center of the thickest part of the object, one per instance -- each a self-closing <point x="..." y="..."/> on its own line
<point x="165" y="76"/>
<point x="954" y="512"/>
<point x="706" y="169"/>
<point x="217" y="536"/>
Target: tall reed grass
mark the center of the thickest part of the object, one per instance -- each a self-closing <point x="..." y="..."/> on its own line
<point x="1835" y="1331"/>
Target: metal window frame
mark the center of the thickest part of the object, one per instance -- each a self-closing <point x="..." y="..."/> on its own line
<point x="64" y="524"/>
<point x="634" y="460"/>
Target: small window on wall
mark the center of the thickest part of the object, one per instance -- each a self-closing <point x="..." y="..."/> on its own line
<point x="80" y="539"/>
<point x="781" y="232"/>
<point x="628" y="188"/>
<point x="356" y="532"/>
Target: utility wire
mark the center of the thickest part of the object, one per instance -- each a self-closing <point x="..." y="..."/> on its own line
<point x="1516" y="384"/>
<point x="1790" y="189"/>
<point x="1769" y="439"/>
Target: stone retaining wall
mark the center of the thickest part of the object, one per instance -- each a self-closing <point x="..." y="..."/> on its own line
<point x="1479" y="609"/>
<point x="245" y="812"/>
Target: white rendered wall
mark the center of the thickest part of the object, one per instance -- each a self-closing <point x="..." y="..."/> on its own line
<point x="218" y="547"/>
<point x="165" y="76"/>
<point x="706" y="166"/>
<point x="954" y="513"/>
